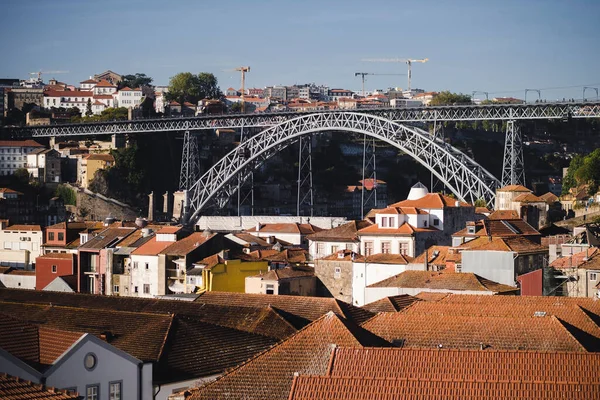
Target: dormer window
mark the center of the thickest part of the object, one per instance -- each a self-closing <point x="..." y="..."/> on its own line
<point x="384" y="222"/>
<point x="471" y="230"/>
<point x="392" y="222"/>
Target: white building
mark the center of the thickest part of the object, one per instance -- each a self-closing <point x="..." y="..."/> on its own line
<point x="148" y="266"/>
<point x="21" y="245"/>
<point x="68" y="99"/>
<point x="104" y="87"/>
<point x="129" y="98"/>
<point x="294" y="233"/>
<point x="13" y="154"/>
<point x="44" y="165"/>
<point x="17" y="278"/>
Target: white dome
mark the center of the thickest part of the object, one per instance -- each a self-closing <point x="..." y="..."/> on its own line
<point x="417" y="191"/>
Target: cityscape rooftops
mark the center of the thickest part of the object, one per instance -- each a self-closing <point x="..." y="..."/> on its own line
<point x="15" y="388"/>
<point x="432" y="201"/>
<point x="19" y="143"/>
<point x="514" y="188"/>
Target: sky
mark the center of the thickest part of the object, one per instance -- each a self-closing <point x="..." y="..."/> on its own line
<point x="502" y="47"/>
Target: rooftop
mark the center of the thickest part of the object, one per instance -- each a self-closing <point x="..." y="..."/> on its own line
<point x="514" y="188"/>
<point x="432" y="201"/>
<point x="23" y="228"/>
<point x="391" y="303"/>
<point x="186" y="245"/>
<point x="14" y="388"/>
<point x="304" y="229"/>
<point x="343" y="233"/>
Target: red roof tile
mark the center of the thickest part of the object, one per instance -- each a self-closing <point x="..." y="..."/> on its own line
<point x="13" y="388"/>
<point x="23" y="228"/>
<point x="587" y="259"/>
<point x="391" y="303"/>
<point x="514" y="188"/>
<point x="304" y="229"/>
<point x="19" y="143"/>
<point x="432" y="201"/>
<point x="151" y="248"/>
<point x="343" y="233"/>
<point x="186" y="245"/>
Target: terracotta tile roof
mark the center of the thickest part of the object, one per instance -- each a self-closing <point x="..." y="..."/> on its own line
<point x="482" y="210"/>
<point x="103" y="96"/>
<point x="500" y="228"/>
<point x="504" y="214"/>
<point x="89" y="81"/>
<point x="432" y="201"/>
<point x="265" y="321"/>
<point x="436" y="255"/>
<point x="528" y="198"/>
<point x="269" y="375"/>
<point x="298" y="310"/>
<point x="304" y="229"/>
<point x="8" y="190"/>
<point x="151" y="247"/>
<point x="19" y="143"/>
<point x="471" y="332"/>
<point x="343" y="233"/>
<point x="289" y="255"/>
<point x="140" y="334"/>
<point x="391" y="303"/>
<point x="431" y="296"/>
<point x="444" y="281"/>
<point x="361" y="388"/>
<point x="196" y="348"/>
<point x="514" y="188"/>
<point x="287" y="273"/>
<point x="23" y="228"/>
<point x="549" y="198"/>
<point x="14" y="388"/>
<point x="104" y="83"/>
<point x="57" y="256"/>
<point x="108" y="237"/>
<point x="404" y="230"/>
<point x="581" y="314"/>
<point x="466" y="364"/>
<point x="100" y="157"/>
<point x="170" y="229"/>
<point x="519" y="245"/>
<point x="69" y="93"/>
<point x="587" y="259"/>
<point x="210" y="262"/>
<point x="188" y="244"/>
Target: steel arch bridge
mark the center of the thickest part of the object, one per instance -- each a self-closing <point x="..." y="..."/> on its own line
<point x="463" y="176"/>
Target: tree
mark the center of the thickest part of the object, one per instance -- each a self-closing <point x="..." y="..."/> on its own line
<point x="22" y="175"/>
<point x="186" y="86"/>
<point x="480" y="203"/>
<point x="235" y="107"/>
<point x="446" y="98"/>
<point x="135" y="81"/>
<point x="570" y="181"/>
<point x="88" y="108"/>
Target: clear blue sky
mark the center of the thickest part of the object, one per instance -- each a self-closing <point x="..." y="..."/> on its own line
<point x="472" y="45"/>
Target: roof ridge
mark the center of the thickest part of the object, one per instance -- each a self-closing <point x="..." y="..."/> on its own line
<point x="167" y="334"/>
<point x="562" y="324"/>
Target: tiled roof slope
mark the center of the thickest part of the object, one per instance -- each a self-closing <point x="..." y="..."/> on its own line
<point x="466" y="364"/>
<point x="391" y="303"/>
<point x="269" y="375"/>
<point x="343" y="233"/>
<point x="109" y="236"/>
<point x="186" y="245"/>
<point x="468" y="332"/>
<point x="304" y="229"/>
<point x="581" y="316"/>
<point x="265" y="321"/>
<point x="360" y="388"/>
<point x="519" y="245"/>
<point x="431" y="296"/>
<point x="587" y="259"/>
<point x="514" y="188"/>
<point x="13" y="388"/>
<point x="139" y="334"/>
<point x="504" y="214"/>
<point x="287" y="273"/>
<point x="431" y="201"/>
<point x="195" y="348"/>
<point x="500" y="228"/>
<point x="443" y="281"/>
<point x="436" y="255"/>
<point x="299" y="310"/>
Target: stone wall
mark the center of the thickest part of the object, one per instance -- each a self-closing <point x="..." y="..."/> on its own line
<point x="96" y="207"/>
<point x="338" y="285"/>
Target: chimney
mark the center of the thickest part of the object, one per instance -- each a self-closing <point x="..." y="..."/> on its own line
<point x="258" y="225"/>
<point x="151" y="206"/>
<point x="271" y="240"/>
<point x="457" y="203"/>
<point x="426" y="262"/>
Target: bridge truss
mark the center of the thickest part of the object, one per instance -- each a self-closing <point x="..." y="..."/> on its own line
<point x="463" y="176"/>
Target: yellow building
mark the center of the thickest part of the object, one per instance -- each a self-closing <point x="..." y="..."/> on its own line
<point x="89" y="164"/>
<point x="220" y="275"/>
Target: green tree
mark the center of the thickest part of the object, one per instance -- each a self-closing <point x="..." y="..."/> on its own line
<point x="67" y="195"/>
<point x="88" y="108"/>
<point x="236" y="108"/>
<point x="480" y="203"/>
<point x="186" y="86"/>
<point x="448" y="98"/>
<point x="22" y="175"/>
<point x="135" y="81"/>
<point x="570" y="181"/>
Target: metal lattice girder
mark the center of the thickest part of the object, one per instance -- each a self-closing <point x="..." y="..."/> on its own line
<point x="513" y="165"/>
<point x="304" y="205"/>
<point x="190" y="161"/>
<point x="490" y="112"/>
<point x="368" y="199"/>
<point x="463" y="176"/>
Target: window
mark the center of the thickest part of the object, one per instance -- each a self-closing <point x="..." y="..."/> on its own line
<point x="147" y="266"/>
<point x="392" y="222"/>
<point x="115" y="288"/>
<point x="135" y="289"/>
<point x="348" y="246"/>
<point x="320" y="248"/>
<point x="425" y="223"/>
<point x="337" y="272"/>
<point x="436" y="222"/>
<point x="61" y="236"/>
<point x="92" y="392"/>
<point x="368" y="248"/>
<point x="593" y="276"/>
<point x="54" y="269"/>
<point x="404" y="248"/>
<point x="146" y="288"/>
<point x="90" y="361"/>
<point x="334" y="249"/>
<point x="270" y="289"/>
<point x="114" y="392"/>
<point x="386" y="247"/>
<point x="135" y="265"/>
<point x="384" y="222"/>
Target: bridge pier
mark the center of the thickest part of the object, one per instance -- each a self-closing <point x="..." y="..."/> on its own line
<point x="513" y="166"/>
<point x="368" y="199"/>
<point x="305" y="181"/>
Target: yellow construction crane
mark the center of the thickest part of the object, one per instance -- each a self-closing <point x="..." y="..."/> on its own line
<point x="243" y="70"/>
<point x="363" y="74"/>
<point x="408" y="62"/>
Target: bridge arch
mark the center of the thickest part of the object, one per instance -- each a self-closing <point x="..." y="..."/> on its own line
<point x="463" y="176"/>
